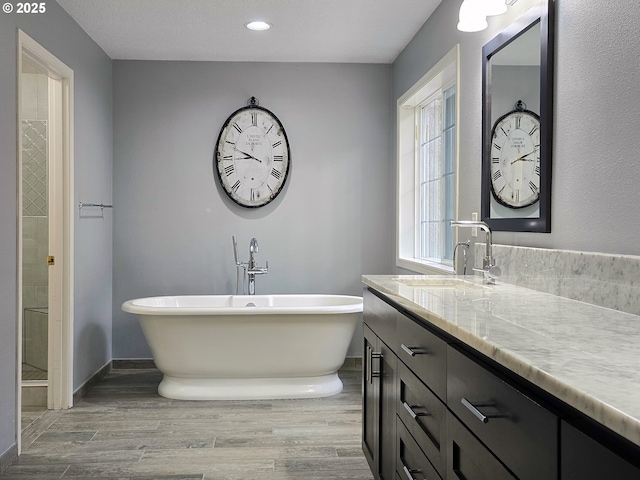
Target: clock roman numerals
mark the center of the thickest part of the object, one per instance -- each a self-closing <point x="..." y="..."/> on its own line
<point x="229" y="169"/>
<point x="276" y="174"/>
<point x="278" y="143"/>
<point x="237" y="127"/>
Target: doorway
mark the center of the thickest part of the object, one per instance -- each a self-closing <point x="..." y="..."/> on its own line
<point x="45" y="225"/>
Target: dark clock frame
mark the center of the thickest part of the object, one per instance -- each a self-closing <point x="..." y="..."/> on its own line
<point x="252" y="106"/>
<point x="544" y="15"/>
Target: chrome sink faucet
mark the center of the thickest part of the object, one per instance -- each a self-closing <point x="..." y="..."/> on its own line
<point x="249" y="268"/>
<point x="489" y="269"/>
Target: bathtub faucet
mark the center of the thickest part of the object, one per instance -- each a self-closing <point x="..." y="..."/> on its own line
<point x="248" y="268"/>
<point x="252" y="268"/>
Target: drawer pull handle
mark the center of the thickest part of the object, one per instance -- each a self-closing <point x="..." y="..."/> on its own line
<point x="413" y="351"/>
<point x="473" y="409"/>
<point x="409" y="472"/>
<point x="412" y="412"/>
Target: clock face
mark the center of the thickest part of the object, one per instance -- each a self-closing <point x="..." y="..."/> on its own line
<point x="515" y="159"/>
<point x="252" y="156"/>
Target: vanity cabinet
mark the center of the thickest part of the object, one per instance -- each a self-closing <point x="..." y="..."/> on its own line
<point x="436" y="409"/>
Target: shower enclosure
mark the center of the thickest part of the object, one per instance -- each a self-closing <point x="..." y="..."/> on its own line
<point x="35" y="221"/>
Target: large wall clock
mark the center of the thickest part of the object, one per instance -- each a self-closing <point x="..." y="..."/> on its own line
<point x="515" y="158"/>
<point x="252" y="156"/>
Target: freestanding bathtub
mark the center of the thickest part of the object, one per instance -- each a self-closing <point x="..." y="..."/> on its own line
<point x="234" y="347"/>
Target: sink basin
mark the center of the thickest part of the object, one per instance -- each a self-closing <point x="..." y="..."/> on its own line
<point x="437" y="282"/>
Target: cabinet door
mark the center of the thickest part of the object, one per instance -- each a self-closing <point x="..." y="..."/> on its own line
<point x="379" y="406"/>
<point x="388" y="399"/>
<point x="370" y="401"/>
<point x="468" y="459"/>
<point x="412" y="463"/>
<point x="380" y="317"/>
<point x="517" y="429"/>
<point x="582" y="458"/>
<point x="424" y="353"/>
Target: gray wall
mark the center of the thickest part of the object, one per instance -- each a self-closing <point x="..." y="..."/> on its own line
<point x="595" y="194"/>
<point x="93" y="155"/>
<point x="173" y="223"/>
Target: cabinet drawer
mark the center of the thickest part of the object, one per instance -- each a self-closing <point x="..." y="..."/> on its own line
<point x="424" y="416"/>
<point x="468" y="459"/>
<point x="519" y="431"/>
<point x="411" y="463"/>
<point x="380" y="317"/>
<point x="424" y="353"/>
<point x="583" y="458"/>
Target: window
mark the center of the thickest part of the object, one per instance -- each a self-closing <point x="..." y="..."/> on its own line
<point x="427" y="178"/>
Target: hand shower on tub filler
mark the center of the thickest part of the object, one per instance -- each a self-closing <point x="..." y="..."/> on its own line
<point x="249" y="268"/>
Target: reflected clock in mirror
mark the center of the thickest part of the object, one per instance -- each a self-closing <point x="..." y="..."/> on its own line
<point x="515" y="158"/>
<point x="517" y="124"/>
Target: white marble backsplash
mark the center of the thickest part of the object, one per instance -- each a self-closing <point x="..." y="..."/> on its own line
<point x="611" y="281"/>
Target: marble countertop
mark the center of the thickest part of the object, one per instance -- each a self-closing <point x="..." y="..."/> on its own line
<point x="585" y="355"/>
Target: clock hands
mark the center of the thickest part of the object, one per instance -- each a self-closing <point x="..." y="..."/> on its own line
<point x="248" y="155"/>
<point x="522" y="159"/>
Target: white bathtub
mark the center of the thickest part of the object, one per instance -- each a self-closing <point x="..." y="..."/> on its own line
<point x="222" y="347"/>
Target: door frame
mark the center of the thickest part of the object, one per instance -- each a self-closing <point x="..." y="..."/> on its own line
<point x="60" y="362"/>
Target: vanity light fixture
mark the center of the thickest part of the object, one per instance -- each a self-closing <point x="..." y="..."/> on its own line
<point x="473" y="13"/>
<point x="472" y="16"/>
<point x="258" y="25"/>
<point x="494" y="7"/>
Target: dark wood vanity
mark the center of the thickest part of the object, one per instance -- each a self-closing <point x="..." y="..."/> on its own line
<point x="434" y="408"/>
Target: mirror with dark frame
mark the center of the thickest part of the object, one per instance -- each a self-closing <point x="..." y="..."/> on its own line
<point x="517" y="124"/>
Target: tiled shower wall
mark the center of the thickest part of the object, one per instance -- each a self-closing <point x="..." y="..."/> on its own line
<point x="611" y="281"/>
<point x="35" y="235"/>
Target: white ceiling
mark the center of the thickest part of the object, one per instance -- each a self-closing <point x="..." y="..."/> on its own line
<point x="343" y="31"/>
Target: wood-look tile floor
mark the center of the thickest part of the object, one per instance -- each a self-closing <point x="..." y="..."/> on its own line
<point x="124" y="430"/>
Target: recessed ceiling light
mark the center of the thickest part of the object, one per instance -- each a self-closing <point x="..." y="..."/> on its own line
<point x="258" y="25"/>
